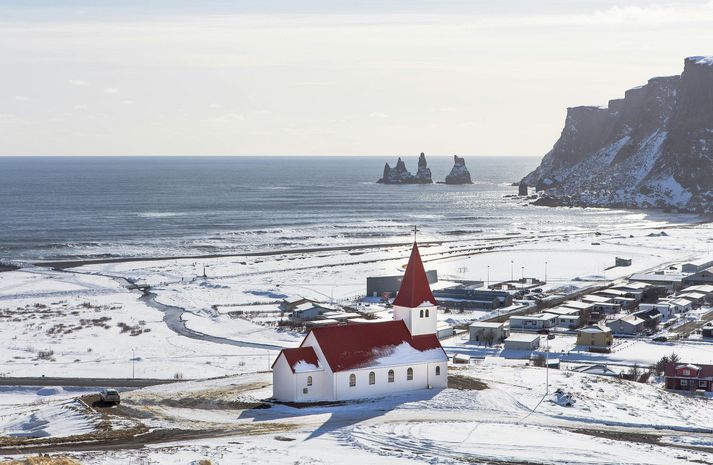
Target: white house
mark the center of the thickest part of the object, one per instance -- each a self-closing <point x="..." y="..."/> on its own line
<point x="533" y="322"/>
<point x="665" y="308"/>
<point x="357" y="360"/>
<point x="522" y="341"/>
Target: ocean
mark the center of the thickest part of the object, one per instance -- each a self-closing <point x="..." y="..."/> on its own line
<point x="102" y="207"/>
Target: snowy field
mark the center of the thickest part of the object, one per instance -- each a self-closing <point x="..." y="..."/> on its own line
<point x="509" y="419"/>
<point x="84" y="322"/>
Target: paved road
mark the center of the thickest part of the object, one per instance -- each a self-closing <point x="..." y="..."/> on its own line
<point x="85" y="382"/>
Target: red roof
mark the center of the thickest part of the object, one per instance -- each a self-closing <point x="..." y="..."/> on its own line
<point x="706" y="370"/>
<point x="414" y="288"/>
<point x="299" y="354"/>
<point x="357" y="345"/>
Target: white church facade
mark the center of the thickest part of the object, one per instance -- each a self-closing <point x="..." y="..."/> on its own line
<point x="358" y="360"/>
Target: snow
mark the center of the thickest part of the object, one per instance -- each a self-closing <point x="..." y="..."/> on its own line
<point x="303" y="366"/>
<point x="702" y="60"/>
<point x="59" y="419"/>
<point x="404" y="354"/>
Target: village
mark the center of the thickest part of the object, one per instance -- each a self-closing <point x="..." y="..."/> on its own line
<point x="584" y="356"/>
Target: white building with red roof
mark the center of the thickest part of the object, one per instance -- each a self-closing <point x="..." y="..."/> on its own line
<point x="358" y="360"/>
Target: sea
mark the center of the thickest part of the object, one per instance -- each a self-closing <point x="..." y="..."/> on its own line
<point x="54" y="208"/>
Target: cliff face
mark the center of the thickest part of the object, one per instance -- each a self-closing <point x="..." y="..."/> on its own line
<point x="400" y="175"/>
<point x="651" y="149"/>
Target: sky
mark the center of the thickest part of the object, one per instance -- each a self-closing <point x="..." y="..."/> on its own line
<point x="331" y="77"/>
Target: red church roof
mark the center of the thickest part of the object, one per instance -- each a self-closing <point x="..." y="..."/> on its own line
<point x="358" y="345"/>
<point x="299" y="354"/>
<point x="414" y="288"/>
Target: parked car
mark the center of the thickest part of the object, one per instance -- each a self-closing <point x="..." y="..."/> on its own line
<point x="110" y="396"/>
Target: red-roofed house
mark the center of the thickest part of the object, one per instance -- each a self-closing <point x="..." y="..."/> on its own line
<point x="358" y="360"/>
<point x="689" y="377"/>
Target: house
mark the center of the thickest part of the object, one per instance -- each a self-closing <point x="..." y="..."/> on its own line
<point x="689" y="377"/>
<point x="669" y="281"/>
<point x="700" y="277"/>
<point x="652" y="317"/>
<point x="444" y="330"/>
<point x="707" y="331"/>
<point x="629" y="324"/>
<point x="341" y="316"/>
<point x="472" y="296"/>
<point x="582" y="307"/>
<point x="619" y="297"/>
<point x="289" y="304"/>
<point x="598" y="369"/>
<point x="702" y="288"/>
<point x="665" y="309"/>
<point x="566" y="317"/>
<point x="679" y="305"/>
<point x="380" y="286"/>
<point x="602" y="304"/>
<point x="595" y="336"/>
<point x="311" y="311"/>
<point x="533" y="322"/>
<point x="620" y="261"/>
<point x="488" y="333"/>
<point x="522" y="341"/>
<point x="357" y="360"/>
<point x="696" y="298"/>
<point x="699" y="264"/>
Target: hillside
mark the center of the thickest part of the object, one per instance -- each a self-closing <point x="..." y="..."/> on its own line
<point x="651" y="149"/>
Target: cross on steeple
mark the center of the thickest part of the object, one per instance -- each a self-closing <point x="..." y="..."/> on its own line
<point x="415" y="230"/>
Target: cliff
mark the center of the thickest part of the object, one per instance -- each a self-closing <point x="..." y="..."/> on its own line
<point x="651" y="149"/>
<point x="459" y="173"/>
<point x="400" y="175"/>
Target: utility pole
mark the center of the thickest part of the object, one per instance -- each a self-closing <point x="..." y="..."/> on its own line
<point x="547" y="366"/>
<point x="545" y="271"/>
<point x="512" y="274"/>
<point x="488" y="278"/>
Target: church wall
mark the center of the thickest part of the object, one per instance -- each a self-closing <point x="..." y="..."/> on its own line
<point x="283" y="380"/>
<point x="424" y="374"/>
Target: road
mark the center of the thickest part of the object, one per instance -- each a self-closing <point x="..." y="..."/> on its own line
<point x="85" y="382"/>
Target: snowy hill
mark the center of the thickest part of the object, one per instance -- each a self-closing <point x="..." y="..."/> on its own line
<point x="651" y="149"/>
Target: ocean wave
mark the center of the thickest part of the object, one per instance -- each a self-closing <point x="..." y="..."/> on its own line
<point x="161" y="214"/>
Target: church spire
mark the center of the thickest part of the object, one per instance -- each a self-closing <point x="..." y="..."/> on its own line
<point x="414" y="289"/>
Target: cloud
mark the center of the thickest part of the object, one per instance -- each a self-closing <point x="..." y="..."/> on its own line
<point x="21" y="98"/>
<point x="377" y="114"/>
<point x="127" y="102"/>
<point x="228" y="118"/>
<point x="81" y="107"/>
<point x="78" y="82"/>
<point x="111" y="90"/>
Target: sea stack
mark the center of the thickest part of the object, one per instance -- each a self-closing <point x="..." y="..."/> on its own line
<point x="400" y="175"/>
<point x="522" y="190"/>
<point x="459" y="174"/>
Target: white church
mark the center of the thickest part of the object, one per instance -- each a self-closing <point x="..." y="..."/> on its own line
<point x="358" y="360"/>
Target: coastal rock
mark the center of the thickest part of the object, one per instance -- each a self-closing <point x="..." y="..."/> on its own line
<point x="400" y="175"/>
<point x="522" y="190"/>
<point x="650" y="149"/>
<point x="459" y="174"/>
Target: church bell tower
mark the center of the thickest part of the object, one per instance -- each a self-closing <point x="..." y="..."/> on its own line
<point x="414" y="303"/>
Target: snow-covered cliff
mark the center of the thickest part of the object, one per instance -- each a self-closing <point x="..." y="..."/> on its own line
<point x="651" y="149"/>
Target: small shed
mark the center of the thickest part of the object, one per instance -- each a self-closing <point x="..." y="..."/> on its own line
<point x="484" y="332"/>
<point x="522" y="341"/>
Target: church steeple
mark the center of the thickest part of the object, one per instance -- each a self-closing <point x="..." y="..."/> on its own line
<point x="415" y="304"/>
<point x="414" y="289"/>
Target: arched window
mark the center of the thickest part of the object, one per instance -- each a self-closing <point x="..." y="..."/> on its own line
<point x="309" y="381"/>
<point x="438" y="370"/>
<point x="409" y="374"/>
<point x="426" y="313"/>
<point x="391" y="376"/>
<point x="421" y="316"/>
<point x="352" y="380"/>
<point x="372" y="377"/>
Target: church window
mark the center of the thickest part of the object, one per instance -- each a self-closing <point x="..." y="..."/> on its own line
<point x="352" y="380"/>
<point x="309" y="381"/>
<point x="426" y="313"/>
<point x="409" y="374"/>
<point x="372" y="377"/>
<point x="421" y="315"/>
<point x="391" y="376"/>
<point x="438" y="371"/>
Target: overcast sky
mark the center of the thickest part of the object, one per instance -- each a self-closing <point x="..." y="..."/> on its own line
<point x="324" y="77"/>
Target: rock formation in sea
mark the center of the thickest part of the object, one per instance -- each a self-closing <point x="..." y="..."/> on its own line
<point x="459" y="174"/>
<point x="400" y="175"/>
<point x="522" y="189"/>
<point x="651" y="149"/>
